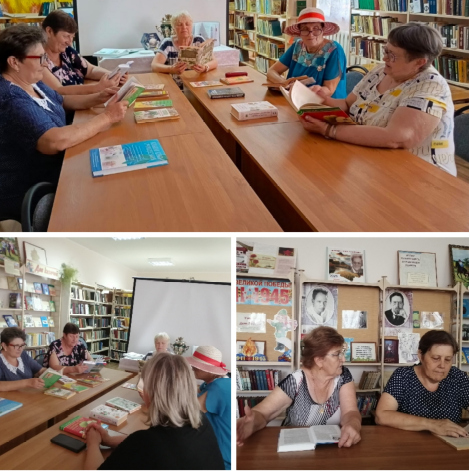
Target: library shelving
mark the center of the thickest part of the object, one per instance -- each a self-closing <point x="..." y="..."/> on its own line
<point x="121" y="319"/>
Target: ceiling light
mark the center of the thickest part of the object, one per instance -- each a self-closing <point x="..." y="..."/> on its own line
<point x="127" y="238"/>
<point x="160" y="262"/>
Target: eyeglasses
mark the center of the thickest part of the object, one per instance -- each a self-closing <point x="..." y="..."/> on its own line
<point x="314" y="31"/>
<point x="391" y="56"/>
<point x="42" y="58"/>
<point x="337" y="355"/>
<point x="17" y="347"/>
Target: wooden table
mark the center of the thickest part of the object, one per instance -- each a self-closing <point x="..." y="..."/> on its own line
<point x="309" y="183"/>
<point x="40" y="453"/>
<point x="199" y="190"/>
<point x="380" y="448"/>
<point x="40" y="411"/>
<point x="459" y="94"/>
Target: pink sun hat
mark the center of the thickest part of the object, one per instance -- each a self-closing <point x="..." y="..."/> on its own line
<point x="208" y="359"/>
<point x="313" y="15"/>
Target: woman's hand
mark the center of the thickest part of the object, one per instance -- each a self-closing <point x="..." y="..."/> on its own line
<point x="36" y="383"/>
<point x="79" y="369"/>
<point x="245" y="426"/>
<point x="447" y="428"/>
<point x="124" y="78"/>
<point x="106" y="82"/>
<point x="314" y="125"/>
<point x="97" y="429"/>
<point x="349" y="436"/>
<point x="323" y="92"/>
<point x="93" y="437"/>
<point x="178" y="68"/>
<point x="199" y="68"/>
<point x="106" y="94"/>
<point x="116" y="111"/>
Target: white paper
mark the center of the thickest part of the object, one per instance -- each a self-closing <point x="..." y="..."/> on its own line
<point x="418" y="279"/>
<point x="408" y="347"/>
<point x="251" y="322"/>
<point x="11" y="267"/>
<point x="265" y="249"/>
<point x="354" y="319"/>
<point x="284" y="265"/>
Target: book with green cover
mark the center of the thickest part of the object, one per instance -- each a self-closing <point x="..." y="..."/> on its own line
<point x="78" y="388"/>
<point x="50" y="377"/>
<point x="123" y="404"/>
<point x="300" y="5"/>
<point x="150" y="105"/>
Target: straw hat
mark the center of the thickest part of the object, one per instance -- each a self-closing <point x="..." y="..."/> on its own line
<point x="313" y="15"/>
<point x="208" y="359"/>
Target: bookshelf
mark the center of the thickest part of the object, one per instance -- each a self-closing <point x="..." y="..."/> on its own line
<point x="120" y="323"/>
<point x="33" y="306"/>
<point x="370" y="33"/>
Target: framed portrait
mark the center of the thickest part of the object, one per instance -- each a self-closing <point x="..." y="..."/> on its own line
<point x="417" y="268"/>
<point x="459" y="257"/>
<point x="9" y="249"/>
<point x="34" y="253"/>
<point x="346" y="265"/>
<point x="363" y="352"/>
<point x="398" y="311"/>
<point x="260" y="347"/>
<point x="391" y="351"/>
<point x="319" y="306"/>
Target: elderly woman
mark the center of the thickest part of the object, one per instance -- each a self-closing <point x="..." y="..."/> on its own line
<point x="404" y="104"/>
<point x="17" y="368"/>
<point x="66" y="69"/>
<point x="67" y="352"/>
<point x="214" y="395"/>
<point x="322" y="392"/>
<point x="312" y="54"/>
<point x="33" y="134"/>
<point x="161" y="345"/>
<point x="179" y="437"/>
<point x="166" y="59"/>
<point x="430" y="395"/>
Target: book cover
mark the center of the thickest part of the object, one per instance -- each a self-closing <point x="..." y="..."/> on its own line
<point x="152" y="116"/>
<point x="13" y="283"/>
<point x="93" y="367"/>
<point x="92" y="380"/>
<point x="155" y="94"/>
<point x="37" y="322"/>
<point x="8" y="406"/>
<point x="206" y="83"/>
<point x="59" y="393"/>
<point x="67" y="380"/>
<point x="109" y="414"/>
<point x="465" y="351"/>
<point x="37" y="288"/>
<point x="123" y="404"/>
<point x="200" y="54"/>
<point x="74" y="387"/>
<point x="37" y="304"/>
<point x="51" y="322"/>
<point x="130" y="91"/>
<point x="28" y="321"/>
<point x="254" y="110"/>
<point x="236" y="80"/>
<point x="15" y="301"/>
<point x="50" y="377"/>
<point x="52" y="290"/>
<point x="45" y="289"/>
<point x="234" y="92"/>
<point x="150" y="87"/>
<point x="150" y="105"/>
<point x="44" y="321"/>
<point x="77" y="426"/>
<point x="52" y="307"/>
<point x="126" y="157"/>
<point x="10" y="320"/>
<point x="130" y="386"/>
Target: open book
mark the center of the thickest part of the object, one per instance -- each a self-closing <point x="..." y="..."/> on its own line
<point x="197" y="55"/>
<point x="300" y="439"/>
<point x="276" y="85"/>
<point x="461" y="443"/>
<point x="306" y="102"/>
<point x="130" y="91"/>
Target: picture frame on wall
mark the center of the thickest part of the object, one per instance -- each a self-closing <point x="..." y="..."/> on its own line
<point x="391" y="351"/>
<point x="459" y="259"/>
<point x="363" y="352"/>
<point x="34" y="253"/>
<point x="9" y="249"/>
<point x="417" y="268"/>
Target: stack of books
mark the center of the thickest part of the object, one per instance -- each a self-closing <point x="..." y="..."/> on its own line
<point x="256" y="380"/>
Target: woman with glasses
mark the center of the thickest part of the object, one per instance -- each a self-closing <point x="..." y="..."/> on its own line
<point x="321" y="392"/>
<point x="312" y="54"/>
<point x="33" y="131"/>
<point x="17" y="368"/>
<point x="403" y="104"/>
<point x="66" y="69"/>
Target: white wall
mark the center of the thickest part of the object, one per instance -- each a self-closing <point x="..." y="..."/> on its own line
<point x="121" y="23"/>
<point x="199" y="276"/>
<point x="380" y="253"/>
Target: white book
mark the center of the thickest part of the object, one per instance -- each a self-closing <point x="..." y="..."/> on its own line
<point x="300" y="439"/>
<point x="109" y="415"/>
<point x="253" y="110"/>
<point x="121" y="69"/>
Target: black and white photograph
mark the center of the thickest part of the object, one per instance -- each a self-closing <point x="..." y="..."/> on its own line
<point x="398" y="311"/>
<point x="354" y="319"/>
<point x="346" y="265"/>
<point x="319" y="306"/>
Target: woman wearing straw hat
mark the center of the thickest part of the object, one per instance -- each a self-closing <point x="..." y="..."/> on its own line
<point x="215" y="395"/>
<point x="312" y="54"/>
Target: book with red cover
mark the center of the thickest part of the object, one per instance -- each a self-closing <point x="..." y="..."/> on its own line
<point x="77" y="425"/>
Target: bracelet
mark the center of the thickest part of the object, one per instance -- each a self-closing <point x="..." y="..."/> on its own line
<point x="328" y="129"/>
<point x="207" y="68"/>
<point x="334" y="132"/>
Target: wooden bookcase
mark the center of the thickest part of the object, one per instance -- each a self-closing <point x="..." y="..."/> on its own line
<point x="121" y="320"/>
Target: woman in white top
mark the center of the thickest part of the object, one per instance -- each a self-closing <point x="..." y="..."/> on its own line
<point x="404" y="104"/>
<point x="321" y="392"/>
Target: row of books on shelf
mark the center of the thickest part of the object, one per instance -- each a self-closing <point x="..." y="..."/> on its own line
<point x="440" y="7"/>
<point x="270" y="27"/>
<point x="266" y="7"/>
<point x="268" y="48"/>
<point x="97" y="346"/>
<point x="125" y="299"/>
<point x="454" y="36"/>
<point x="16" y="284"/>
<point x="89" y="294"/>
<point x="368" y="48"/>
<point x="366" y="403"/>
<point x="29" y="321"/>
<point x="241" y="402"/>
<point x="120" y="322"/>
<point x="48" y="7"/>
<point x="256" y="380"/>
<point x="120" y="334"/>
<point x="245" y="40"/>
<point x="377" y="25"/>
<point x="39" y="338"/>
<point x="31" y="303"/>
<point x="369" y="380"/>
<point x="95" y="334"/>
<point x="452" y="68"/>
<point x="84" y="323"/>
<point x="244" y="22"/>
<point x="122" y="311"/>
<point x="382" y="5"/>
<point x="7" y="24"/>
<point x="119" y="345"/>
<point x="89" y="309"/>
<point x="263" y="64"/>
<point x="33" y="353"/>
<point x="115" y="355"/>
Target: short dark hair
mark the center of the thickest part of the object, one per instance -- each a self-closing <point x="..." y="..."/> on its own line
<point x="396" y="294"/>
<point x="318" y="343"/>
<point x="11" y="333"/>
<point x="16" y="41"/>
<point x="437" y="337"/>
<point x="418" y="40"/>
<point x="58" y="20"/>
<point x="71" y="328"/>
<point x="319" y="291"/>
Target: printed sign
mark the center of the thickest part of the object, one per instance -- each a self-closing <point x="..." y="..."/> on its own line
<point x="263" y="292"/>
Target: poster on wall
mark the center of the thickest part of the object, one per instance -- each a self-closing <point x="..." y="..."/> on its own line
<point x="408" y="347"/>
<point x="319" y="306"/>
<point x="417" y="269"/>
<point x="264" y="259"/>
<point x="42" y="270"/>
<point x="263" y="292"/>
<point x="346" y="265"/>
<point x="398" y="312"/>
<point x="459" y="256"/>
<point x="283" y="323"/>
<point x="253" y="322"/>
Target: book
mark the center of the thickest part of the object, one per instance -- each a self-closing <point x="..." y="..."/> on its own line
<point x="51" y="321"/>
<point x="150" y="105"/>
<point x="254" y="110"/>
<point x="155" y="93"/>
<point x="299" y="439"/>
<point x="45" y="289"/>
<point x="284" y="84"/>
<point x="123" y="404"/>
<point x="37" y="304"/>
<point x="93" y="367"/>
<point x="37" y="322"/>
<point x="10" y="320"/>
<point x="151" y="116"/>
<point x="109" y="414"/>
<point x="234" y="92"/>
<point x="13" y="284"/>
<point x="308" y="103"/>
<point x="45" y="307"/>
<point x="236" y="80"/>
<point x="206" y="83"/>
<point x="52" y="308"/>
<point x="77" y="426"/>
<point x="126" y="157"/>
<point x="300" y="5"/>
<point x="14" y="302"/>
<point x="8" y="406"/>
<point x="60" y="393"/>
<point x="78" y="388"/>
<point x="200" y="54"/>
<point x="461" y="443"/>
<point x="92" y="380"/>
<point x="67" y="380"/>
<point x="130" y="386"/>
<point x="130" y="91"/>
<point x="465" y="352"/>
<point x="28" y="321"/>
<point x="37" y="288"/>
<point x="52" y="290"/>
<point x="44" y="321"/>
<point x="121" y="69"/>
<point x="50" y="377"/>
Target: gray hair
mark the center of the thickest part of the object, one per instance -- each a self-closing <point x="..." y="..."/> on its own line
<point x="162" y="335"/>
<point x="418" y="40"/>
<point x="170" y="385"/>
<point x="180" y="16"/>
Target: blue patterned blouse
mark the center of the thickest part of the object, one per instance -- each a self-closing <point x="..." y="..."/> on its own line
<point x="327" y="64"/>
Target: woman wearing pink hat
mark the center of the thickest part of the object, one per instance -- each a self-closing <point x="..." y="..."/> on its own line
<point x="312" y="54"/>
<point x="214" y="395"/>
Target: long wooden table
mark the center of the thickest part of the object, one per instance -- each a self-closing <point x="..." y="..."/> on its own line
<point x="40" y="453"/>
<point x="459" y="94"/>
<point x="40" y="411"/>
<point x="199" y="190"/>
<point x="380" y="448"/>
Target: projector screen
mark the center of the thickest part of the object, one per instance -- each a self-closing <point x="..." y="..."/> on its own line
<point x="200" y="312"/>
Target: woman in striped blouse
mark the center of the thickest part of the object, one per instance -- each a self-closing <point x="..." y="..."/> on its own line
<point x="321" y="392"/>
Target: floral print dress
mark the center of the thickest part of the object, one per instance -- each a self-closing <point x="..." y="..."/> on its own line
<point x="75" y="358"/>
<point x="73" y="68"/>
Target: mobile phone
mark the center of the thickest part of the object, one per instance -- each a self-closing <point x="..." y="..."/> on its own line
<point x="69" y="443"/>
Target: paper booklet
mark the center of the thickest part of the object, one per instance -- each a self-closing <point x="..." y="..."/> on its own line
<point x="197" y="55"/>
<point x="306" y="102"/>
<point x="300" y="439"/>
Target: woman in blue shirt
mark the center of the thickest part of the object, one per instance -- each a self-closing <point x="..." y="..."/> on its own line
<point x="215" y="395"/>
<point x="312" y="54"/>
